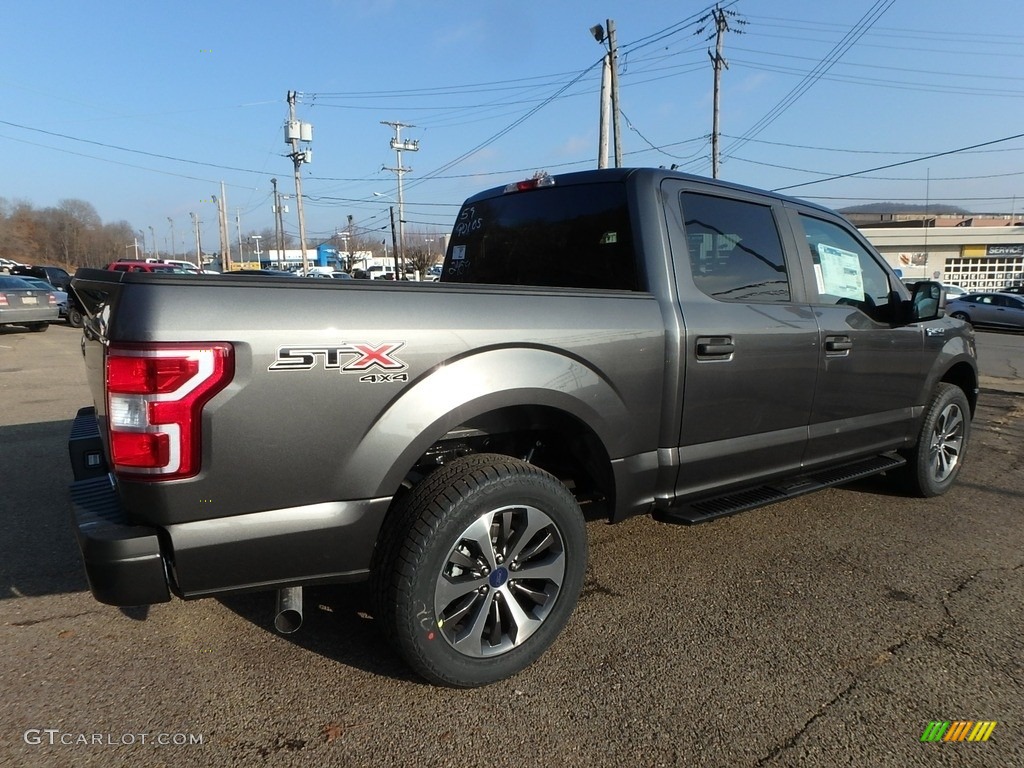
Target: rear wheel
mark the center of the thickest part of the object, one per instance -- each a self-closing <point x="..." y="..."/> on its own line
<point x="74" y="317"/>
<point x="934" y="463"/>
<point x="480" y="570"/>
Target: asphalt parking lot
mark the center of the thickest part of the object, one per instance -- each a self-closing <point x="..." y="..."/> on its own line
<point x="829" y="630"/>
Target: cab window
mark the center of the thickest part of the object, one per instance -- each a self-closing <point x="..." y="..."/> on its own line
<point x="734" y="247"/>
<point x="845" y="272"/>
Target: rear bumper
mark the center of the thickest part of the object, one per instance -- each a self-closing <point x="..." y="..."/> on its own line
<point x="123" y="562"/>
<point x="19" y="316"/>
<point x="129" y="564"/>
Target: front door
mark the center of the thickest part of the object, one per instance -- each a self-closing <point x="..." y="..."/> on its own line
<point x="870" y="369"/>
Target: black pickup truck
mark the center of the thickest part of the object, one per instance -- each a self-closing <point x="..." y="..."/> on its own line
<point x="628" y="341"/>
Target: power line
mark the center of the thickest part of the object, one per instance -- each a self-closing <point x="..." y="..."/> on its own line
<point x="888" y="83"/>
<point x="486" y="142"/>
<point x="901" y="162"/>
<point x="866" y="151"/>
<point x="824" y="65"/>
<point x="133" y="151"/>
<point x="120" y="162"/>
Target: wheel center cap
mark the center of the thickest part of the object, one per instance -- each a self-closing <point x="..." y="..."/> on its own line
<point x="498" y="576"/>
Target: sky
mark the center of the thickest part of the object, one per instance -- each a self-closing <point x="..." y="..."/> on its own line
<point x="143" y="108"/>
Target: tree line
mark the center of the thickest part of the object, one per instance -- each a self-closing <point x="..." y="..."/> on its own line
<point x="70" y="234"/>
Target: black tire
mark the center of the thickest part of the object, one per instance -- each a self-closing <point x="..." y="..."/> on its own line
<point x="961" y="316"/>
<point x="479" y="569"/>
<point x="75" y="319"/>
<point x="38" y="327"/>
<point x="935" y="462"/>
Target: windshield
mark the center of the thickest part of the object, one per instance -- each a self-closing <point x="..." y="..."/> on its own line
<point x="568" y="237"/>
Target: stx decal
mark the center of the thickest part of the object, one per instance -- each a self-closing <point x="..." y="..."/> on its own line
<point x="354" y="357"/>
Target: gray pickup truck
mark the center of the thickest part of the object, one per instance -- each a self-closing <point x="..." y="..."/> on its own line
<point x="628" y="341"/>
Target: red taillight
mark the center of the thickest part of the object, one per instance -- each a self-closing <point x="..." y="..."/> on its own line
<point x="155" y="399"/>
<point x="3" y="300"/>
<point x="53" y="298"/>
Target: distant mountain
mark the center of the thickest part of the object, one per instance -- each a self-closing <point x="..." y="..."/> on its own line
<point x="934" y="208"/>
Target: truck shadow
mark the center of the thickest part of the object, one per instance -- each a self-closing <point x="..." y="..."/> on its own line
<point x="38" y="551"/>
<point x="337" y="624"/>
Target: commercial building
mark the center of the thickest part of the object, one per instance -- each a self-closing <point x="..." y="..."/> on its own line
<point x="976" y="256"/>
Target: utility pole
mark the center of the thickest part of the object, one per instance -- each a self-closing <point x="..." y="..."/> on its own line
<point x="351" y="238"/>
<point x="199" y="249"/>
<point x="152" y="237"/>
<point x="278" y="240"/>
<point x="721" y="18"/>
<point x="224" y="223"/>
<point x="222" y="231"/>
<point x="409" y="145"/>
<point x="609" y="94"/>
<point x="294" y="133"/>
<point x="394" y="243"/>
<point x="171" y="222"/>
<point x="238" y="231"/>
<point x="606" y="108"/>
<point x="613" y="49"/>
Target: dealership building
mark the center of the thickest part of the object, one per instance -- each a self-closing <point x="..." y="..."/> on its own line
<point x="978" y="254"/>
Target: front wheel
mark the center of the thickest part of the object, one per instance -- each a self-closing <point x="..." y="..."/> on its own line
<point x="480" y="570"/>
<point x="961" y="316"/>
<point x="38" y="327"/>
<point x="936" y="460"/>
<point x="75" y="319"/>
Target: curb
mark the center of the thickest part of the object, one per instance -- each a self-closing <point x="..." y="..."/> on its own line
<point x="999" y="384"/>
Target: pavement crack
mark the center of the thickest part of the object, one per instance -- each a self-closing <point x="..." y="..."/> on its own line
<point x="33" y="622"/>
<point x="935" y="635"/>
<point x="882" y="658"/>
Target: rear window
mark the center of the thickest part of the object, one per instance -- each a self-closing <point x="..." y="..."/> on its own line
<point x="564" y="237"/>
<point x="14" y="284"/>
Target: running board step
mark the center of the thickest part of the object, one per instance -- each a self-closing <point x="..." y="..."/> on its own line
<point x="714" y="507"/>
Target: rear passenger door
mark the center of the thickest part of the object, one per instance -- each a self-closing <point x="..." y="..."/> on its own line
<point x="749" y="343"/>
<point x="870" y="366"/>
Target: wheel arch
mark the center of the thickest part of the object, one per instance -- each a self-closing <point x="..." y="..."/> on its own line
<point x="499" y="401"/>
<point x="964" y="375"/>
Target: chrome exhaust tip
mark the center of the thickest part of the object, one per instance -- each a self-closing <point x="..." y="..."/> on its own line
<point x="288" y="616"/>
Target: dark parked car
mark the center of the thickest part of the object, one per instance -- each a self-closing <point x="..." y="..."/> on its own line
<point x="1018" y="289"/>
<point x="25" y="304"/>
<point x="55" y="276"/>
<point x="998" y="310"/>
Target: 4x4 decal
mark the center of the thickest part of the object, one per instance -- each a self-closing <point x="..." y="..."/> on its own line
<point x="354" y="357"/>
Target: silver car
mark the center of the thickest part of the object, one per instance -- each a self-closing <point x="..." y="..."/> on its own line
<point x="997" y="310"/>
<point x="25" y="304"/>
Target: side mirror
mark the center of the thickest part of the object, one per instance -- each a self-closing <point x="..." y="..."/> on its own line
<point x="928" y="301"/>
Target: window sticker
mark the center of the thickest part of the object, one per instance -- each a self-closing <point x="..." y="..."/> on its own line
<point x="840" y="273"/>
<point x="458" y="252"/>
